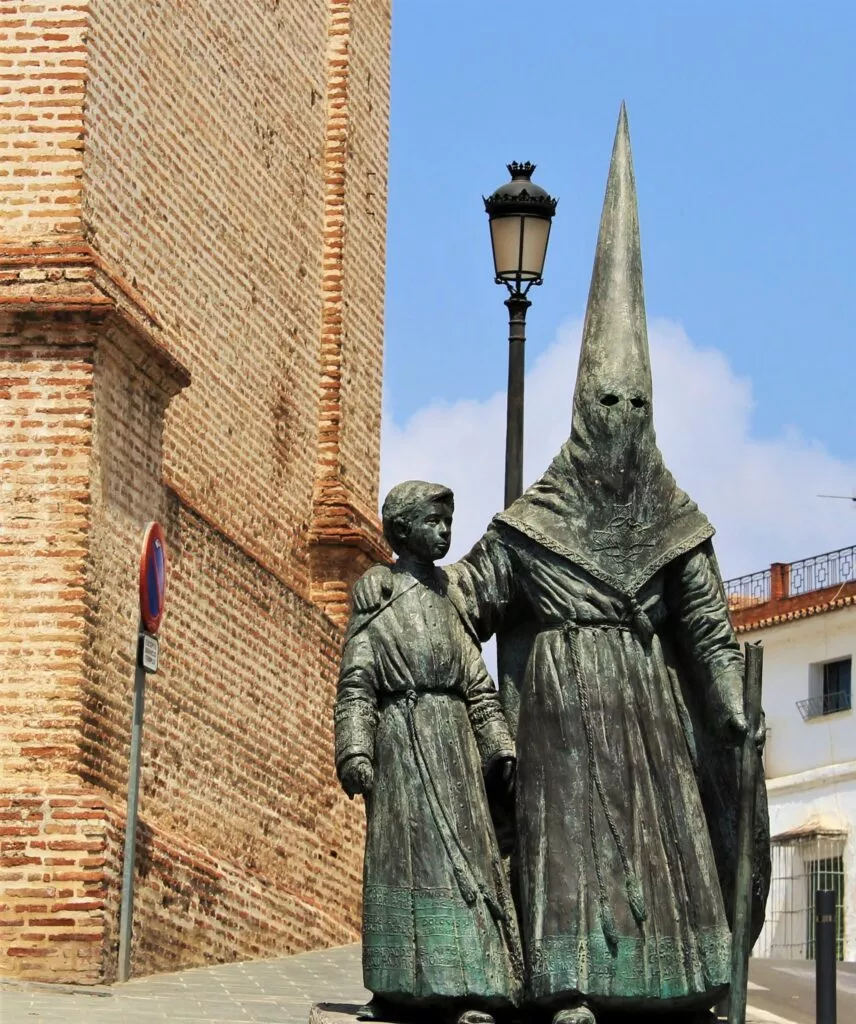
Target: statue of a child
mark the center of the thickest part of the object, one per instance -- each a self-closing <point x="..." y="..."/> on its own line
<point x="419" y="730"/>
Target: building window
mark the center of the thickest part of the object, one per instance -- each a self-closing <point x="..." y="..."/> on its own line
<point x="836" y="685"/>
<point x="829" y="689"/>
<point x="803" y="861"/>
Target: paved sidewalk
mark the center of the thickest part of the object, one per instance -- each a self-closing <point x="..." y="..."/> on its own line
<point x="280" y="991"/>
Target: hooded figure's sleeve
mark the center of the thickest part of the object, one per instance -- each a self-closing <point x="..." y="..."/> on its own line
<point x="355" y="713"/>
<point x="486" y="585"/>
<point x="486" y="718"/>
<point x="711" y="655"/>
<point x="704" y="633"/>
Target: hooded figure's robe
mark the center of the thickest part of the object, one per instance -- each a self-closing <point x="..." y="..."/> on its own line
<point x="623" y="877"/>
<point x="415" y="698"/>
<point x="613" y="630"/>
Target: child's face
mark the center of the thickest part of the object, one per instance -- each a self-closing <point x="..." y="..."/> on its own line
<point x="431" y="532"/>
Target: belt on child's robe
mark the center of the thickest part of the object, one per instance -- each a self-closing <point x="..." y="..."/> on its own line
<point x="403" y="696"/>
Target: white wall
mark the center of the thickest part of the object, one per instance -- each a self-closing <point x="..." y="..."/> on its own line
<point x="810" y="766"/>
<point x="826" y="796"/>
<point x="789" y="649"/>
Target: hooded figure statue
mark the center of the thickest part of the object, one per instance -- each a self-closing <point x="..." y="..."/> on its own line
<point x="623" y="681"/>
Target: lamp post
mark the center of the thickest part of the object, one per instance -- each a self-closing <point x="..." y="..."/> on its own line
<point x="520" y="214"/>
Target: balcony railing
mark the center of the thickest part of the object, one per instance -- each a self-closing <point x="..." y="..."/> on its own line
<point x="744" y="591"/>
<point x="827" y="704"/>
<point x="829" y="570"/>
<point x="790" y="579"/>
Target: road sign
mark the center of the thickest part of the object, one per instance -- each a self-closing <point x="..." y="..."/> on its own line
<point x="152" y="590"/>
<point x="147" y="655"/>
<point x="152" y="577"/>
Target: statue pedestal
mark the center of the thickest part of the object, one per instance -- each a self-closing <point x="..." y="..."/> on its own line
<point x="346" y="1013"/>
<point x="333" y="1013"/>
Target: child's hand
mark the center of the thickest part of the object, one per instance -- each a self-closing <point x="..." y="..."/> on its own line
<point x="357" y="776"/>
<point x="503" y="774"/>
<point x="508" y="775"/>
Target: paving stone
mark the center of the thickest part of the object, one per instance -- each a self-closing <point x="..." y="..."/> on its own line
<point x="311" y="988"/>
<point x="265" y="992"/>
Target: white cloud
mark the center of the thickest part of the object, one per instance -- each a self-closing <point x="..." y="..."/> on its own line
<point x="760" y="494"/>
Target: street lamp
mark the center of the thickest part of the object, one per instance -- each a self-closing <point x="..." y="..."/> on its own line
<point x="520" y="214"/>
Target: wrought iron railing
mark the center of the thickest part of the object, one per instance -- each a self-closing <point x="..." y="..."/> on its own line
<point x="830" y="569"/>
<point x="826" y="704"/>
<point x="827" y="570"/>
<point x="744" y="591"/>
<point x="801" y="864"/>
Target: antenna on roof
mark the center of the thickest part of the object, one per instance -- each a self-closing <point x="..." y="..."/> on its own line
<point x="843" y="497"/>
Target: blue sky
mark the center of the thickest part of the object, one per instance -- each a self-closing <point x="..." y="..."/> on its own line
<point x="744" y="139"/>
<point x="744" y="136"/>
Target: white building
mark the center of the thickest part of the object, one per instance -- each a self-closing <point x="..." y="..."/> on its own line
<point x="805" y="615"/>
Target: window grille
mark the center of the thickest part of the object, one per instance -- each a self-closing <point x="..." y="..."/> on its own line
<point x="803" y="861"/>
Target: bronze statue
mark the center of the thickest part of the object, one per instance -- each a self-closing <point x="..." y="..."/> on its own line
<point x="622" y="680"/>
<point x="419" y="728"/>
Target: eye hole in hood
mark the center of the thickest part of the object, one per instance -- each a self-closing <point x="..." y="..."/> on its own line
<point x="609" y="400"/>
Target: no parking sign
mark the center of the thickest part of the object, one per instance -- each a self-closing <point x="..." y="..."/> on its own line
<point x="152" y="577"/>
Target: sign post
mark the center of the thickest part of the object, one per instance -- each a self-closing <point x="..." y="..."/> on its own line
<point x="152" y="591"/>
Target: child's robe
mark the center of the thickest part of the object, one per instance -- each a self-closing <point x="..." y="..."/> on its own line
<point x="415" y="698"/>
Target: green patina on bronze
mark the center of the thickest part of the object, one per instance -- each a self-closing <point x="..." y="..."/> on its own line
<point x="665" y="970"/>
<point x="622" y="685"/>
<point x="419" y="728"/>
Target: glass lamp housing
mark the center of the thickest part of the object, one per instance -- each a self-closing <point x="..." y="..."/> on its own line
<point x="520" y="215"/>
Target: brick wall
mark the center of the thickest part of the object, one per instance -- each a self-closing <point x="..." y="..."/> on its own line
<point x="364" y="230"/>
<point x="205" y="242"/>
<point x="52" y="834"/>
<point x="42" y="76"/>
<point x="45" y="441"/>
<point x="218" y="108"/>
<point x="352" y="291"/>
<point x="59" y="856"/>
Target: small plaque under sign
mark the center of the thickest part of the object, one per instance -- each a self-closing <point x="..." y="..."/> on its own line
<point x="147" y="653"/>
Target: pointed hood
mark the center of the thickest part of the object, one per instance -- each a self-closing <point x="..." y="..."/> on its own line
<point x="607" y="500"/>
<point x="614" y="360"/>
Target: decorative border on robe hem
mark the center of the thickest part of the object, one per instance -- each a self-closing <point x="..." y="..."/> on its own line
<point x="647" y="968"/>
<point x="424" y="943"/>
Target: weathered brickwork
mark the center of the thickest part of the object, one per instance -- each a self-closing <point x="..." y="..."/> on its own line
<point x="196" y="338"/>
<point x="61" y="855"/>
<point x="58" y="849"/>
<point x="45" y="432"/>
<point x="222" y="105"/>
<point x="352" y="288"/>
<point x="252" y="734"/>
<point x="42" y="77"/>
<point x="363" y="279"/>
